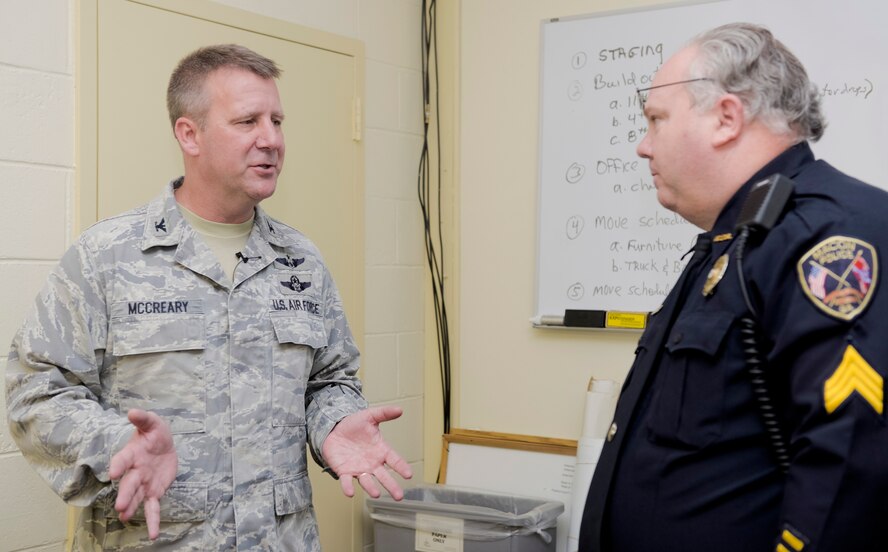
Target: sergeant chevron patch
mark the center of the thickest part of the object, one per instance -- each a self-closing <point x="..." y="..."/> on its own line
<point x="791" y="540"/>
<point x="853" y="374"/>
<point x="839" y="276"/>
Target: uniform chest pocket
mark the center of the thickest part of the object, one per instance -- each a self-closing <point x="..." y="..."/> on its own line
<point x="159" y="366"/>
<point x="297" y="339"/>
<point x="688" y="404"/>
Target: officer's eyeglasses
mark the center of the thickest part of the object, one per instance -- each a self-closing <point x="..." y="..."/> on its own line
<point x="643" y="92"/>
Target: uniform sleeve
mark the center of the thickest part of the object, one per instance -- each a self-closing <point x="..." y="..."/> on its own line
<point x="830" y="359"/>
<point x="55" y="408"/>
<point x="334" y="390"/>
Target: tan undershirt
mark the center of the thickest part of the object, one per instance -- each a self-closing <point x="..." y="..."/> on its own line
<point x="224" y="240"/>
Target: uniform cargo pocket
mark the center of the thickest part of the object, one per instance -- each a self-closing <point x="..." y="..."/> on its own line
<point x="292" y="495"/>
<point x="297" y="338"/>
<point x="160" y="367"/>
<point x="689" y="401"/>
<point x="181" y="502"/>
<point x="183" y="510"/>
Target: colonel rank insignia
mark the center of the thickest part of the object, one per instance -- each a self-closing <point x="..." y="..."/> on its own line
<point x="839" y="276"/>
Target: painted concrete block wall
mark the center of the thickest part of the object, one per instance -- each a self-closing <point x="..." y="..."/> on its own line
<point x="37" y="195"/>
<point x="36" y="187"/>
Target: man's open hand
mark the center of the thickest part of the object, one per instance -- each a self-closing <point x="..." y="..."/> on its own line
<point x="146" y="467"/>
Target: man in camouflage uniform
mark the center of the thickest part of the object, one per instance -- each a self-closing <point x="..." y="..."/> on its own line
<point x="170" y="387"/>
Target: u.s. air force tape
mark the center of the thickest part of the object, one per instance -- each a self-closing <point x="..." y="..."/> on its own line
<point x="839" y="276"/>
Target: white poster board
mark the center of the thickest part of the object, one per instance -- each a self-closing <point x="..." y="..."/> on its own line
<point x="513" y="464"/>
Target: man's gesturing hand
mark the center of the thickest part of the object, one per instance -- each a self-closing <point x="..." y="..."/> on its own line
<point x="355" y="448"/>
<point x="146" y="466"/>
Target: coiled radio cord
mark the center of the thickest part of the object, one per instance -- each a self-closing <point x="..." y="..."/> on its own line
<point x="755" y="366"/>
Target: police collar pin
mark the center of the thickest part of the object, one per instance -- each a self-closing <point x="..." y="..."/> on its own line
<point x="716" y="273"/>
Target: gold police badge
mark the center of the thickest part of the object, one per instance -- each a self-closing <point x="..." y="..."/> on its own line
<point x="839" y="275"/>
<point x="716" y="273"/>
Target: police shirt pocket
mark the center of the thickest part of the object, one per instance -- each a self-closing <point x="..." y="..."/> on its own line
<point x="297" y="338"/>
<point x="292" y="494"/>
<point x="688" y="403"/>
<point x="160" y="365"/>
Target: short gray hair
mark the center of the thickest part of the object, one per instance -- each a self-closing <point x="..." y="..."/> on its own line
<point x="185" y="94"/>
<point x="747" y="61"/>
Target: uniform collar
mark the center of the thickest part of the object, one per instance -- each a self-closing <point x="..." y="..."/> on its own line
<point x="789" y="163"/>
<point x="165" y="226"/>
<point x="272" y="231"/>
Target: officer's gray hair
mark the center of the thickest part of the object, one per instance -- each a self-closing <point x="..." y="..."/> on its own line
<point x="747" y="61"/>
<point x="185" y="94"/>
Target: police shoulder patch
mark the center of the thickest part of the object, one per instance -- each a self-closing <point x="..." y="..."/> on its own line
<point x="839" y="276"/>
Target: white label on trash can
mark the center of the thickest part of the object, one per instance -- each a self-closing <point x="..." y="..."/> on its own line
<point x="438" y="534"/>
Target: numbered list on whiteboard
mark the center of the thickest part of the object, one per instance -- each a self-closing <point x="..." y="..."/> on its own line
<point x="605" y="241"/>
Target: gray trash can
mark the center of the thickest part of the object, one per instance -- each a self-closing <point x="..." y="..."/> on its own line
<point x="437" y="518"/>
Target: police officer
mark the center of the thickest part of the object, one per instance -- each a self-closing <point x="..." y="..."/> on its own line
<point x="182" y="354"/>
<point x="695" y="460"/>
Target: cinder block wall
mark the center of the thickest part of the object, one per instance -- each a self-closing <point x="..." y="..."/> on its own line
<point x="36" y="187"/>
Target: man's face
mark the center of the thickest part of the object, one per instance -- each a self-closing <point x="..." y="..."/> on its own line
<point x="241" y="141"/>
<point x="677" y="141"/>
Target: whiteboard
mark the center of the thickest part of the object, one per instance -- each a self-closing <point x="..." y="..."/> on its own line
<point x="604" y="241"/>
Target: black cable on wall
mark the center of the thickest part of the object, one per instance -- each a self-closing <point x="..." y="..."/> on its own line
<point x="426" y="186"/>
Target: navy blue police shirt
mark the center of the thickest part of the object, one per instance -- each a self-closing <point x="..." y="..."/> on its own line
<point x="687" y="465"/>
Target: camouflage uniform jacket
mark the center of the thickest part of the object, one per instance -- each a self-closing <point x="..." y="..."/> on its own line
<point x="139" y="314"/>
